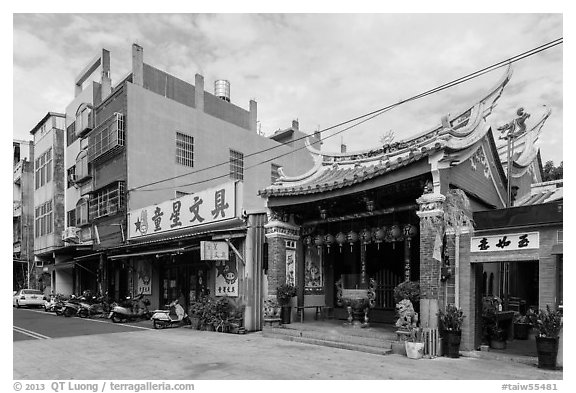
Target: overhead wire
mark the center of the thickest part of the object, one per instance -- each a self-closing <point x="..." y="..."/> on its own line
<point x="366" y="117"/>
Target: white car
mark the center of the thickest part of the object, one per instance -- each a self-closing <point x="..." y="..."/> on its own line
<point x="29" y="297"/>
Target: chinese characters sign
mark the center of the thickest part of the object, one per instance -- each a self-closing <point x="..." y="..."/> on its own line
<point x="290" y="262"/>
<point x="204" y="207"/>
<point x="226" y="278"/>
<point x="505" y="242"/>
<point x="213" y="251"/>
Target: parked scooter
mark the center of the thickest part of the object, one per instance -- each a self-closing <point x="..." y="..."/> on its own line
<point x="94" y="306"/>
<point x="55" y="304"/>
<point x="174" y="316"/>
<point x="71" y="306"/>
<point x="131" y="310"/>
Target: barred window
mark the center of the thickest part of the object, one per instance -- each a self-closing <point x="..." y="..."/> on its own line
<point x="184" y="149"/>
<point x="107" y="137"/>
<point x="71" y="134"/>
<point x="106" y="201"/>
<point x="274" y="174"/>
<point x="236" y="165"/>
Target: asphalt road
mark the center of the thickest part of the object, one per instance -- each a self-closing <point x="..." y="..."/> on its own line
<point x="37" y="324"/>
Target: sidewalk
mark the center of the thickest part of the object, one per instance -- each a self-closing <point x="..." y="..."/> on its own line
<point x="184" y="354"/>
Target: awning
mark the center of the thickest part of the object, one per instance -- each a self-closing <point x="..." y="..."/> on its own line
<point x="89" y="256"/>
<point x="65" y="265"/>
<point x="557" y="249"/>
<point x="153" y="252"/>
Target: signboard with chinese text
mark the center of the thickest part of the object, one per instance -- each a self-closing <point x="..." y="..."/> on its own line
<point x="144" y="277"/>
<point x="505" y="242"/>
<point x="213" y="251"/>
<point x="226" y="278"/>
<point x="204" y="207"/>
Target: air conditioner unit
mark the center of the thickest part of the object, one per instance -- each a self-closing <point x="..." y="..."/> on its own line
<point x="70" y="233"/>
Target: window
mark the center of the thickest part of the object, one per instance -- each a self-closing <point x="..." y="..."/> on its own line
<point x="184" y="149"/>
<point x="43" y="169"/>
<point x="71" y="218"/>
<point x="106" y="137"/>
<point x="236" y="165"/>
<point x="274" y="174"/>
<point x="71" y="176"/>
<point x="43" y="219"/>
<point x="81" y="169"/>
<point x="71" y="134"/>
<point x="81" y="212"/>
<point x="106" y="201"/>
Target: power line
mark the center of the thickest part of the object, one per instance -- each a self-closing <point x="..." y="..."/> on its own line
<point x="369" y="116"/>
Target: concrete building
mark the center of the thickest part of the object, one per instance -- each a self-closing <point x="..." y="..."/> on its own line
<point x="23" y="213"/>
<point x="48" y="195"/>
<point x="156" y="141"/>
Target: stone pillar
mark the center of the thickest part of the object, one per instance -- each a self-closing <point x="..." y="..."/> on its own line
<point x="280" y="233"/>
<point x="431" y="214"/>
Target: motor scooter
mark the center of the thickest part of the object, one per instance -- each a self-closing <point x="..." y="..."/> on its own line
<point x="71" y="306"/>
<point x="94" y="306"/>
<point x="131" y="310"/>
<point x="173" y="316"/>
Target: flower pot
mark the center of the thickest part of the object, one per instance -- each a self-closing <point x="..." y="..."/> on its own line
<point x="285" y="314"/>
<point x="547" y="348"/>
<point x="497" y="344"/>
<point x="521" y="331"/>
<point x="453" y="343"/>
<point x="414" y="350"/>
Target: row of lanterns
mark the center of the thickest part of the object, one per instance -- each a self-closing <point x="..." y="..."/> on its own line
<point x="392" y="234"/>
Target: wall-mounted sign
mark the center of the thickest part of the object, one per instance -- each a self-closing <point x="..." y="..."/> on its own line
<point x="291" y="266"/>
<point x="505" y="242"/>
<point x="226" y="278"/>
<point x="201" y="208"/>
<point x="144" y="277"/>
<point x="214" y="251"/>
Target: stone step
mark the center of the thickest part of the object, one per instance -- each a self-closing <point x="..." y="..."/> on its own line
<point x="381" y="342"/>
<point x="379" y="334"/>
<point x="378" y="350"/>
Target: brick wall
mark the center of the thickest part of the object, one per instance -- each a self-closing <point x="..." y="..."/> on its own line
<point x="276" y="263"/>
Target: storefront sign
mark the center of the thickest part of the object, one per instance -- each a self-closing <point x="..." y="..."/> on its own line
<point x="201" y="208"/>
<point x="505" y="242"/>
<point x="226" y="278"/>
<point x="144" y="278"/>
<point x="213" y="251"/>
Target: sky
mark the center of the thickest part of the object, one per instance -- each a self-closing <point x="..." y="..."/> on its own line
<point x="321" y="69"/>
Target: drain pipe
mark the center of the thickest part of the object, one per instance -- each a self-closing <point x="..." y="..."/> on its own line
<point x="457" y="270"/>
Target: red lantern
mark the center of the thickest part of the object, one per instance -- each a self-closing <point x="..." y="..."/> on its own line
<point x="319" y="241"/>
<point x="308" y="242"/>
<point x="409" y="232"/>
<point x="365" y="237"/>
<point x="329" y="240"/>
<point x="394" y="235"/>
<point x="352" y="238"/>
<point x="379" y="234"/>
<point x="340" y="239"/>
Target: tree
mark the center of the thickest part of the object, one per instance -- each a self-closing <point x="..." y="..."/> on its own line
<point x="551" y="172"/>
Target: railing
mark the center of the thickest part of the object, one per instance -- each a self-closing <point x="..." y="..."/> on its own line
<point x="106" y="138"/>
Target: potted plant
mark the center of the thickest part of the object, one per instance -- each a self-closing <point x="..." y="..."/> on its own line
<point x="494" y="334"/>
<point x="451" y="320"/>
<point x="548" y="324"/>
<point x="522" y="325"/>
<point x="284" y="295"/>
<point x="414" y="345"/>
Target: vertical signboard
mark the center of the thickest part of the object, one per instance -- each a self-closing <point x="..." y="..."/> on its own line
<point x="227" y="278"/>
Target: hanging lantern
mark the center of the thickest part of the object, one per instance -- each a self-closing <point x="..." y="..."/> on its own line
<point x="329" y="239"/>
<point x="394" y="235"/>
<point x="409" y="231"/>
<point x="352" y="238"/>
<point x="319" y="242"/>
<point x="340" y="239"/>
<point x="379" y="234"/>
<point x="365" y="237"/>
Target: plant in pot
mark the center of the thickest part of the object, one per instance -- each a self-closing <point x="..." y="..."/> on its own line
<point x="493" y="333"/>
<point x="522" y="325"/>
<point x="548" y="323"/>
<point x="284" y="295"/>
<point x="451" y="320"/>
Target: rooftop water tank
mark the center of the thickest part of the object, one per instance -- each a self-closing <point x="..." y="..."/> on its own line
<point x="222" y="89"/>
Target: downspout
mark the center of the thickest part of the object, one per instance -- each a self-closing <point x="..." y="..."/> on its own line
<point x="457" y="270"/>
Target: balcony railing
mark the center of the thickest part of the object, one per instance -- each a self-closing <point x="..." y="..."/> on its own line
<point x="107" y="138"/>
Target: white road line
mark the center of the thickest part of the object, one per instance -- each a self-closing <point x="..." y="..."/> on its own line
<point x="92" y="320"/>
<point x="30" y="333"/>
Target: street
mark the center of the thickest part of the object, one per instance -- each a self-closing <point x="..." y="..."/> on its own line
<point x="73" y="348"/>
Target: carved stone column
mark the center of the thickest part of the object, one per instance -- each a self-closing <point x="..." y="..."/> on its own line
<point x="431" y="214"/>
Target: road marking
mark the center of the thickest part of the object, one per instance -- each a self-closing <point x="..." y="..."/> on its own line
<point x="30" y="333"/>
<point x="93" y="320"/>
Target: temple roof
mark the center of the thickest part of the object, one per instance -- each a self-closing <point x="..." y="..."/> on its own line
<point x="456" y="136"/>
<point x="543" y="193"/>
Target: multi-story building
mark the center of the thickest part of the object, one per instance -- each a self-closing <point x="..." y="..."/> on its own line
<point x="48" y="194"/>
<point x="23" y="213"/>
<point x="154" y="142"/>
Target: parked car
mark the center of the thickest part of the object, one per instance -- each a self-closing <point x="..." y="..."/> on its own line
<point x="29" y="297"/>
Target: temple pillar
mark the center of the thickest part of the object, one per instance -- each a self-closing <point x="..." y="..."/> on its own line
<point x="431" y="214"/>
<point x="284" y="249"/>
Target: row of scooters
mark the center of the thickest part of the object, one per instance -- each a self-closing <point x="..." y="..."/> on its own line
<point x="131" y="309"/>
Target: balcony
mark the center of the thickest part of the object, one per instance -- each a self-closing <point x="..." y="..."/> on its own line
<point x="107" y="138"/>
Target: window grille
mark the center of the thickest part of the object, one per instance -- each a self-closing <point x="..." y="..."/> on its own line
<point x="236" y="165"/>
<point x="106" y="137"/>
<point x="106" y="201"/>
<point x="184" y="149"/>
